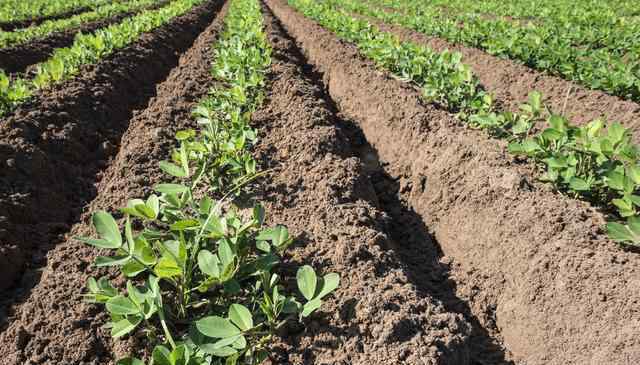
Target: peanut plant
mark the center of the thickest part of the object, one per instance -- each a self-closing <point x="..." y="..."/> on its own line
<point x="202" y="278"/>
<point x="87" y="49"/>
<point x="591" y="162"/>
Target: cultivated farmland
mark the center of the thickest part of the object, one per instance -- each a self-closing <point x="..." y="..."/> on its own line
<point x="191" y="182"/>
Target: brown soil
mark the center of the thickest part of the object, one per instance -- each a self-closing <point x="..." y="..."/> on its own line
<point x="11" y="26"/>
<point x="51" y="324"/>
<point x="511" y="83"/>
<point x="320" y="192"/>
<point x="534" y="266"/>
<point x="54" y="148"/>
<point x="19" y="58"/>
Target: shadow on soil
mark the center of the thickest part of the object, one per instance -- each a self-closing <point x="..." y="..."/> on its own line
<point x="419" y="252"/>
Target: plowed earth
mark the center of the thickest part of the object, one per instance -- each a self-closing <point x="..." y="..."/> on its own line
<point x="449" y="251"/>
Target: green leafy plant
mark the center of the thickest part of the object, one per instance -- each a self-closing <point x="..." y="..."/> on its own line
<point x="206" y="277"/>
<point x="203" y="278"/>
<point x="24" y="35"/>
<point x="590" y="162"/>
<point x="444" y="79"/>
<point x="559" y="48"/>
<point x="18" y="10"/>
<point x="89" y="49"/>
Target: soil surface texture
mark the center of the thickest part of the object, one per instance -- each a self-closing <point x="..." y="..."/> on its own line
<point x="319" y="190"/>
<point x="51" y="324"/>
<point x="53" y="149"/>
<point x="534" y="266"/>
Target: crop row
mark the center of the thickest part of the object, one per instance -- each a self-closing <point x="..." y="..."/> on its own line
<point x="594" y="12"/>
<point x="24" y="35"/>
<point x="593" y="162"/>
<point x="535" y="46"/>
<point x="592" y="26"/>
<point x="201" y="276"/>
<point x="20" y="10"/>
<point x="87" y="49"/>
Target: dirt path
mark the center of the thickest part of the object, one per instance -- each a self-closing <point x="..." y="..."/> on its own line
<point x="534" y="266"/>
<point x="320" y="191"/>
<point x="52" y="325"/>
<point x="19" y="58"/>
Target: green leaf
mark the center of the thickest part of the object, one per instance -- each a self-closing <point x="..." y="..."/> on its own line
<point x="556" y="162"/>
<point x="240" y="343"/>
<point x="535" y="100"/>
<point x="172" y="169"/>
<point x="171" y="188"/>
<point x="621" y="233"/>
<point x="280" y="235"/>
<point x="219" y="352"/>
<point x="107" y="229"/>
<point x="184" y="159"/>
<point x="185" y="134"/>
<point x="259" y="214"/>
<point x="558" y="123"/>
<point x="186" y="224"/>
<point x="216" y="327"/>
<point x="231" y="286"/>
<point x="241" y="316"/>
<point x="552" y="134"/>
<point x="209" y="263"/>
<point x="122" y="305"/>
<point x="579" y="184"/>
<point x="132" y="268"/>
<point x="153" y="203"/>
<point x="310" y="307"/>
<point x="616" y="133"/>
<point x="161" y="356"/>
<point x="92" y="285"/>
<point x="102" y="261"/>
<point x="221" y="343"/>
<point x="633" y="171"/>
<point x="134" y="294"/>
<point x="225" y="253"/>
<point x="124" y="326"/>
<point x="167" y="267"/>
<point x="329" y="283"/>
<point x="615" y="180"/>
<point x="307" y="281"/>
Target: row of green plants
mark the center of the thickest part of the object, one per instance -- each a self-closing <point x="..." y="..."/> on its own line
<point x="534" y="45"/>
<point x="24" y="35"/>
<point x="594" y="12"/>
<point x="21" y="10"/>
<point x="594" y="162"/>
<point x="87" y="49"/>
<point x="205" y="283"/>
<point x="592" y="25"/>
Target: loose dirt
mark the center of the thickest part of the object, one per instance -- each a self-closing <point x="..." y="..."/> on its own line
<point x="534" y="266"/>
<point x="51" y="324"/>
<point x="54" y="148"/>
<point x="319" y="190"/>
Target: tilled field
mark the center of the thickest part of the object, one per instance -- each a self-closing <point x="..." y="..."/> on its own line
<point x="449" y="249"/>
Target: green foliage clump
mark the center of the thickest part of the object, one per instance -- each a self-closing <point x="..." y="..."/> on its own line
<point x="203" y="282"/>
